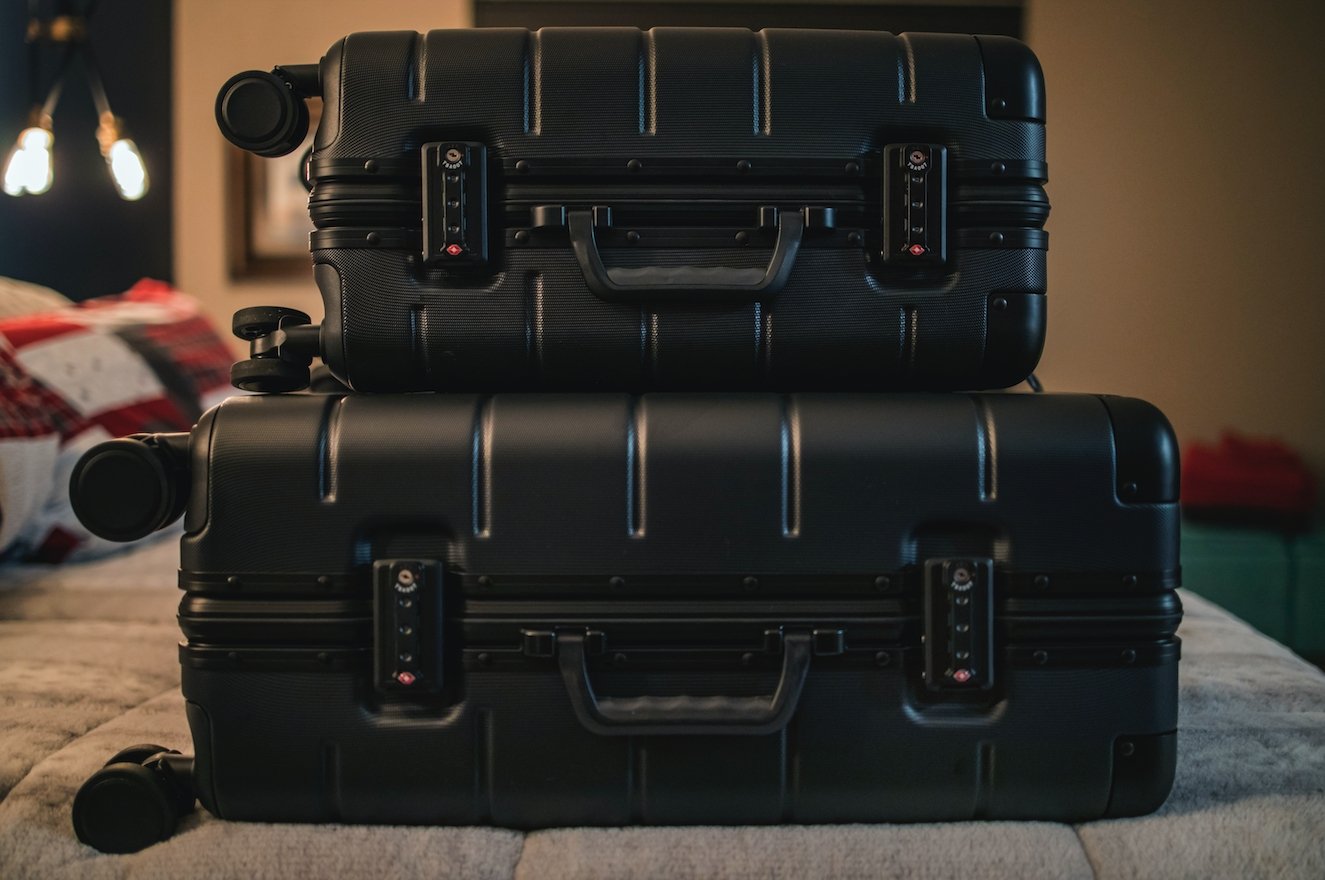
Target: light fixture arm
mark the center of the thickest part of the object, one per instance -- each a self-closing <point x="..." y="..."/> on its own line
<point x="95" y="84"/>
<point x="57" y="84"/>
<point x="109" y="127"/>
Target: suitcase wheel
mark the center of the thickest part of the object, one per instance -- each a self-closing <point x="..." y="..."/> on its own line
<point x="125" y="489"/>
<point x="248" y="324"/>
<point x="269" y="376"/>
<point x="126" y="807"/>
<point x="261" y="112"/>
<point x="137" y="754"/>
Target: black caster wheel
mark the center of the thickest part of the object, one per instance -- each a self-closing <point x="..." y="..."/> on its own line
<point x="260" y="112"/>
<point x="138" y="754"/>
<point x="248" y="324"/>
<point x="121" y="490"/>
<point x="124" y="808"/>
<point x="269" y="376"/>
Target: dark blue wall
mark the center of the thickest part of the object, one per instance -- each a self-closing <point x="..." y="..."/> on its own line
<point x="80" y="237"/>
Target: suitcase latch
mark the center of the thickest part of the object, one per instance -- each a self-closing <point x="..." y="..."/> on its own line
<point x="959" y="624"/>
<point x="455" y="204"/>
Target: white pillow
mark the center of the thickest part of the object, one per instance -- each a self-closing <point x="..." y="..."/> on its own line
<point x="24" y="298"/>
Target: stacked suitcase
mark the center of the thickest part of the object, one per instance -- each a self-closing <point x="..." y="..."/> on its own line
<point x="655" y="546"/>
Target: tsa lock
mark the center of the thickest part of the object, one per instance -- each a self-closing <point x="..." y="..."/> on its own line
<point x="455" y="215"/>
<point x="915" y="195"/>
<point x="959" y="624"/>
<point x="408" y="642"/>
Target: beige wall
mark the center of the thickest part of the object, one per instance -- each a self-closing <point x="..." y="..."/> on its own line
<point x="1185" y="144"/>
<point x="213" y="41"/>
<point x="1187" y="157"/>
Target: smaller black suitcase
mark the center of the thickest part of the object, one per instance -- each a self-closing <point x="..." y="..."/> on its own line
<point x="535" y="610"/>
<point x="585" y="209"/>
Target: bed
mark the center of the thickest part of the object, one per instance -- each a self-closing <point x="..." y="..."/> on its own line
<point x="88" y="666"/>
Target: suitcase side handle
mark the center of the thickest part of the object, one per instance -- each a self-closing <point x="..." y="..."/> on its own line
<point x="684" y="715"/>
<point x="674" y="283"/>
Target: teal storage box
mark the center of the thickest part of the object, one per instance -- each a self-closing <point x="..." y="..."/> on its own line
<point x="1249" y="572"/>
<point x="1308" y="595"/>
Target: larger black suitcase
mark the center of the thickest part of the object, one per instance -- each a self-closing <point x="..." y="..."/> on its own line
<point x="674" y="209"/>
<point x="559" y="610"/>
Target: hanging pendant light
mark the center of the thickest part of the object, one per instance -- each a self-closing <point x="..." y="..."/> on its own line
<point x="29" y="169"/>
<point x="127" y="169"/>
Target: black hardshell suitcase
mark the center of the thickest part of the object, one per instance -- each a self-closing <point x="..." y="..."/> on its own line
<point x="676" y="209"/>
<point x="536" y="610"/>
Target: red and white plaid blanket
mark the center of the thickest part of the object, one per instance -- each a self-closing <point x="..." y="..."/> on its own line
<point x="143" y="361"/>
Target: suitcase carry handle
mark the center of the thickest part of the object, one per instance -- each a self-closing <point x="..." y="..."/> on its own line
<point x="683" y="715"/>
<point x="683" y="282"/>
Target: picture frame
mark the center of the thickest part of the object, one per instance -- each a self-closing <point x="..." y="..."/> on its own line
<point x="267" y="222"/>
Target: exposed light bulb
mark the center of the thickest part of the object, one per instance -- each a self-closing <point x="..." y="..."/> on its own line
<point x="122" y="158"/>
<point x="29" y="168"/>
<point x="127" y="169"/>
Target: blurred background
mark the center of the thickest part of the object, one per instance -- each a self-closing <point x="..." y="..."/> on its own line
<point x="1184" y="143"/>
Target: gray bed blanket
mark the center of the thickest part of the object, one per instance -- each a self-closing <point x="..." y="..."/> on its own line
<point x="88" y="665"/>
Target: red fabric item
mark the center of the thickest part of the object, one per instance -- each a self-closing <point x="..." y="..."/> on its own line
<point x="26" y="330"/>
<point x="146" y="360"/>
<point x="1247" y="473"/>
<point x="186" y="348"/>
<point x="84" y="374"/>
<point x="28" y="408"/>
<point x="153" y="416"/>
<point x="58" y="545"/>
